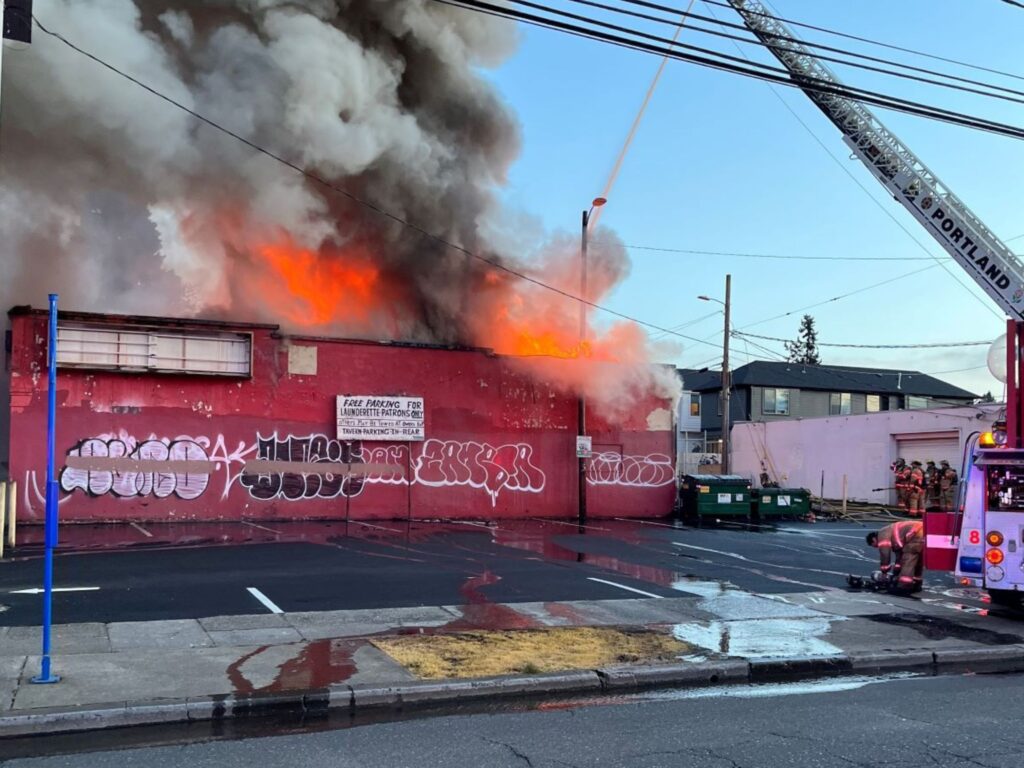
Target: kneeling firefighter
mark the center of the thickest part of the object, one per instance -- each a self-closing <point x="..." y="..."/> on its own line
<point x="900" y="547"/>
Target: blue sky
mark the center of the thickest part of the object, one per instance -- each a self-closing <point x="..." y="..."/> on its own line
<point x="720" y="164"/>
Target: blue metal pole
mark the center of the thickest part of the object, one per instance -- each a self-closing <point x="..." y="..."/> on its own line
<point x="45" y="674"/>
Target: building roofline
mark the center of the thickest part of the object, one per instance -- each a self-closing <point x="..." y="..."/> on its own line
<point x="152" y="321"/>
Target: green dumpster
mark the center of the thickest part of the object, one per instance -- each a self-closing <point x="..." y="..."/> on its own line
<point x="782" y="502"/>
<point x="703" y="496"/>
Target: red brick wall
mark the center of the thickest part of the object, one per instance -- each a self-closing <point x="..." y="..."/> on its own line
<point x="497" y="444"/>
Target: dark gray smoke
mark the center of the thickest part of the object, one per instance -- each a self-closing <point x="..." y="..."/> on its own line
<point x="122" y="202"/>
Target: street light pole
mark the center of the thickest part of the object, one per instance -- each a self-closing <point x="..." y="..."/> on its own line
<point x="581" y="513"/>
<point x="726" y="376"/>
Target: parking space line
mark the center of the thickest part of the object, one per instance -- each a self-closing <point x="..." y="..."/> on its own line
<point x="261" y="527"/>
<point x="574" y="525"/>
<point x="381" y="527"/>
<point x="649" y="522"/>
<point x="142" y="530"/>
<point x="265" y="600"/>
<point x="623" y="586"/>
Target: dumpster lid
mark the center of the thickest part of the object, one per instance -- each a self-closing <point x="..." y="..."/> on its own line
<point x="718" y="479"/>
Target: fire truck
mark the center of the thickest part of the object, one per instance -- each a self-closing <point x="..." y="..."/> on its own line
<point x="982" y="541"/>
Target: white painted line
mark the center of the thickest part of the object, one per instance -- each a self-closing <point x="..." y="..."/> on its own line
<point x="563" y="522"/>
<point x="381" y="527"/>
<point x="470" y="522"/>
<point x="623" y="586"/>
<point x="261" y="527"/>
<point x="265" y="600"/>
<point x="39" y="591"/>
<point x="142" y="530"/>
<point x="649" y="522"/>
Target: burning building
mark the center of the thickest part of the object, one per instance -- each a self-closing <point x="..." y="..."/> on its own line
<point x="329" y="169"/>
<point x="163" y="420"/>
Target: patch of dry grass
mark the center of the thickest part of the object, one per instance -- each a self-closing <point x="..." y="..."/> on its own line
<point x="527" y="651"/>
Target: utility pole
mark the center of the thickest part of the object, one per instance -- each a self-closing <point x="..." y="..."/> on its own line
<point x="726" y="377"/>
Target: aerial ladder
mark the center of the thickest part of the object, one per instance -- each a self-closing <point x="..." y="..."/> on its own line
<point x="982" y="541"/>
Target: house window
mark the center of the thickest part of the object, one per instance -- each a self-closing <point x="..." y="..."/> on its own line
<point x="874" y="403"/>
<point x="915" y="401"/>
<point x="695" y="405"/>
<point x="776" y="402"/>
<point x="171" y="351"/>
<point x="839" y="404"/>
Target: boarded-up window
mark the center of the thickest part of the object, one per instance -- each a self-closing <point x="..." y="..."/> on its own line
<point x="227" y="354"/>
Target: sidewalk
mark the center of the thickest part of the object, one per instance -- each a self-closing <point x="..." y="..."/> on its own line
<point x="167" y="671"/>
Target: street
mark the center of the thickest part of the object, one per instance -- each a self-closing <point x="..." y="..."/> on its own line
<point x="179" y="573"/>
<point x="909" y="722"/>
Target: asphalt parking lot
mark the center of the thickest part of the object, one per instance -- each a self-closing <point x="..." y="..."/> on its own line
<point x="132" y="573"/>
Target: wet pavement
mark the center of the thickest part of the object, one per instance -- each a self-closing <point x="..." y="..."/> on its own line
<point x="242" y="610"/>
<point x="181" y="571"/>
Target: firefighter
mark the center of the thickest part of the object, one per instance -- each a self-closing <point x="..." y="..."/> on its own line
<point x="900" y="547"/>
<point x="947" y="486"/>
<point x="916" y="490"/>
<point x="898" y="467"/>
<point x="931" y="485"/>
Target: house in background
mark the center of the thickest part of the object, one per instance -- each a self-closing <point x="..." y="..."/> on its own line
<point x="766" y="391"/>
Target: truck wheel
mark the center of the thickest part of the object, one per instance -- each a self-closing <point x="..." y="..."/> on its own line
<point x="1007" y="598"/>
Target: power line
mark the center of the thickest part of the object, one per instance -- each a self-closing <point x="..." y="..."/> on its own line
<point x="937" y="345"/>
<point x="761" y="71"/>
<point x="884" y="209"/>
<point x="783" y="256"/>
<point x="787" y="39"/>
<point x="843" y="295"/>
<point x="878" y="43"/>
<point x="354" y="198"/>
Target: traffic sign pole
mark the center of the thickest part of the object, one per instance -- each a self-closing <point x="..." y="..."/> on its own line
<point x="46" y="675"/>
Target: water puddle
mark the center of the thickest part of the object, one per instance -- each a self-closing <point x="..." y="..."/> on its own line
<point x="771" y="690"/>
<point x="761" y="638"/>
<point x="314" y="665"/>
<point x="751" y="626"/>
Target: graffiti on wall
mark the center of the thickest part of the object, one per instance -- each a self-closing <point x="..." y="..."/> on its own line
<point x="123" y="466"/>
<point x="318" y="467"/>
<point x="450" y="463"/>
<point x="611" y="468"/>
<point x="315" y="466"/>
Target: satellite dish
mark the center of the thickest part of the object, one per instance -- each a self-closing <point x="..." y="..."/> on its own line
<point x="997" y="358"/>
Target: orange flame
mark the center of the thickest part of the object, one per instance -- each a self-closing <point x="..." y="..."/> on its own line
<point x="320" y="288"/>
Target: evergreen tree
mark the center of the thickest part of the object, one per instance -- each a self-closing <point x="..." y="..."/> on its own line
<point x="986" y="398"/>
<point x="805" y="348"/>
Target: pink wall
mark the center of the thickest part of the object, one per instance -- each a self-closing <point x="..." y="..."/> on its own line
<point x="497" y="444"/>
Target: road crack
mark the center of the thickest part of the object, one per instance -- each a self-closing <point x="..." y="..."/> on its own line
<point x="516" y="752"/>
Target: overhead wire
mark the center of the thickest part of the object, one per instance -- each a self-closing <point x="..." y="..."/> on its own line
<point x="871" y="41"/>
<point x="780" y="39"/>
<point x="878" y="203"/>
<point x="928" y="345"/>
<point x="355" y="198"/>
<point x="781" y="256"/>
<point x="767" y="72"/>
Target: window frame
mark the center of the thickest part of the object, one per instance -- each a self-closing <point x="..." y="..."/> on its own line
<point x="867" y="404"/>
<point x="840" y="403"/>
<point x="920" y="400"/>
<point x="695" y="406"/>
<point x="135" y="349"/>
<point x="775" y="401"/>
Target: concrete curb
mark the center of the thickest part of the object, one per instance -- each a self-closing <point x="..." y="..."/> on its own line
<point x="427" y="693"/>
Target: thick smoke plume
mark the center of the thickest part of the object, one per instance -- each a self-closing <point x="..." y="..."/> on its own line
<point x="122" y="202"/>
